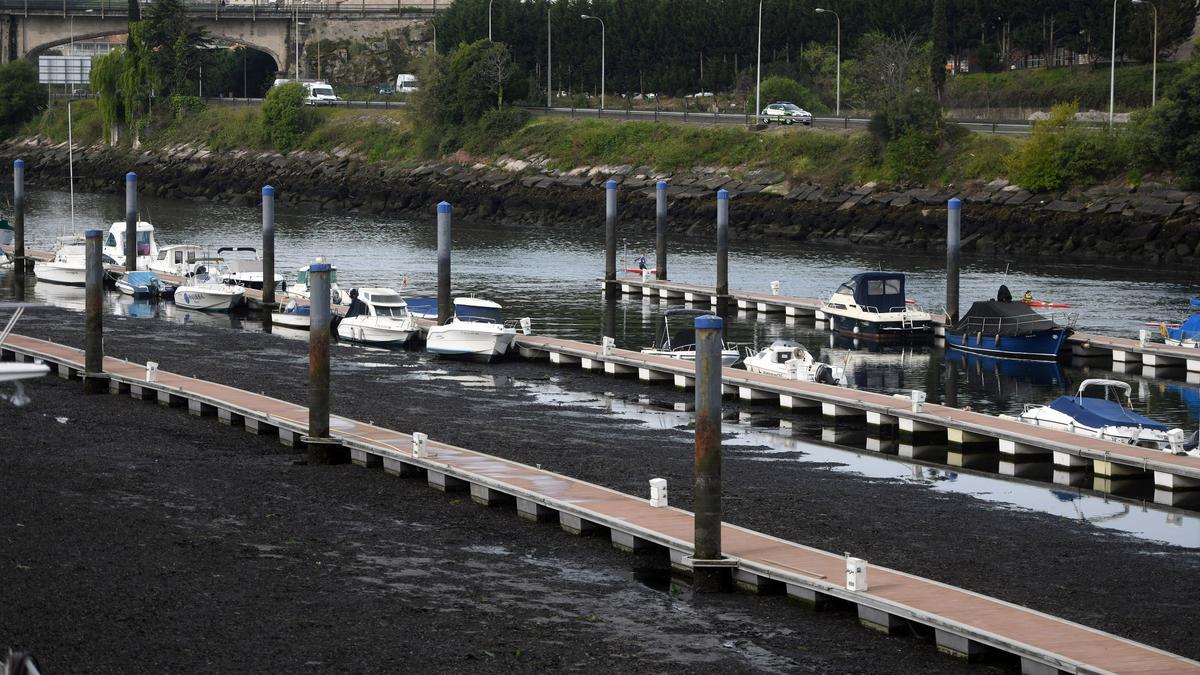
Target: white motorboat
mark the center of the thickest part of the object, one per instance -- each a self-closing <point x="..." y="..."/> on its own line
<point x="377" y="316"/>
<point x="790" y="360"/>
<point x="292" y="315"/>
<point x="1109" y="416"/>
<point x="873" y="305"/>
<point x="69" y="266"/>
<point x="247" y="271"/>
<point x="475" y="331"/>
<point x="147" y="247"/>
<point x="15" y="371"/>
<point x="207" y="293"/>
<point x="300" y="287"/>
<point x="179" y="260"/>
<point x="676" y="338"/>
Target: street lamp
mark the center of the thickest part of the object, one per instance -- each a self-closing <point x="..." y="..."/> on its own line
<point x="839" y="56"/>
<point x="549" y="101"/>
<point x="296" y="9"/>
<point x="1154" y="68"/>
<point x="585" y="17"/>
<point x="758" y="68"/>
<point x="1112" y="70"/>
<point x="489" y="20"/>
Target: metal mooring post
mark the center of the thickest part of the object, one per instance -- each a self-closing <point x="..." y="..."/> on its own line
<point x="711" y="572"/>
<point x="131" y="218"/>
<point x="19" y="262"/>
<point x="953" y="232"/>
<point x="94" y="380"/>
<point x="320" y="447"/>
<point x="660" y="230"/>
<point x="444" y="301"/>
<point x="722" y="251"/>
<point x="268" y="255"/>
<point x="610" y="238"/>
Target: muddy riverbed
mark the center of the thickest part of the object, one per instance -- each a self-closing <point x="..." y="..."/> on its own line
<point x="350" y="520"/>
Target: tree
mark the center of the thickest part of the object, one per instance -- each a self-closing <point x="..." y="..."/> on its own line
<point x="778" y="88"/>
<point x="20" y="95"/>
<point x="284" y="121"/>
<point x="937" y="56"/>
<point x="175" y="45"/>
<point x="1176" y="124"/>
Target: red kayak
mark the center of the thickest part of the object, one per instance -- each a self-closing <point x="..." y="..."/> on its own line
<point x="639" y="272"/>
<point x="1041" y="303"/>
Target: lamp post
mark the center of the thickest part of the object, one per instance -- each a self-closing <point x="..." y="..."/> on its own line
<point x="758" y="68"/>
<point x="586" y="17"/>
<point x="839" y="56"/>
<point x="1112" y="70"/>
<point x="1154" y="68"/>
<point x="549" y="100"/>
<point x="296" y="9"/>
<point x="489" y="20"/>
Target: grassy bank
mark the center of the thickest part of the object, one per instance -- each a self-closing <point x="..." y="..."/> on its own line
<point x="1044" y="87"/>
<point x="814" y="155"/>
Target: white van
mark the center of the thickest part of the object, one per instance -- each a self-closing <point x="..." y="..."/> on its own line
<point x="406" y="83"/>
<point x="320" y="93"/>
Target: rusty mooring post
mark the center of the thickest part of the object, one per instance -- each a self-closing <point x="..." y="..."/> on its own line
<point x="268" y="255"/>
<point x="131" y="218"/>
<point x="445" y="303"/>
<point x="19" y="262"/>
<point x="711" y="572"/>
<point x="319" y="443"/>
<point x="722" y="251"/>
<point x="660" y="230"/>
<point x="94" y="381"/>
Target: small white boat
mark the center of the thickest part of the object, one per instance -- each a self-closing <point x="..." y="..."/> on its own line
<point x="205" y="292"/>
<point x="69" y="266"/>
<point x="147" y="247"/>
<point x="143" y="284"/>
<point x="791" y="361"/>
<point x="676" y="338"/>
<point x="475" y="331"/>
<point x="1110" y="418"/>
<point x="15" y="371"/>
<point x="377" y="316"/>
<point x="179" y="260"/>
<point x="247" y="271"/>
<point x="299" y="287"/>
<point x="292" y="315"/>
<point x="872" y="305"/>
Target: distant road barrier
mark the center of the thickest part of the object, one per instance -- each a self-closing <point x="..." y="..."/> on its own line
<point x="676" y="117"/>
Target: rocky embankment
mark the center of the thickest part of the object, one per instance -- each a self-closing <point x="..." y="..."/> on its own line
<point x="1150" y="224"/>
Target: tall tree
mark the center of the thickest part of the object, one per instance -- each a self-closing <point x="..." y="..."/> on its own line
<point x="175" y="45"/>
<point x="937" y="56"/>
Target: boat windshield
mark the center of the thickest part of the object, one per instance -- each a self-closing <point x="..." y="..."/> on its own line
<point x="394" y="311"/>
<point x="480" y="314"/>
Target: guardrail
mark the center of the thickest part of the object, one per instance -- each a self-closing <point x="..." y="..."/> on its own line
<point x="230" y="8"/>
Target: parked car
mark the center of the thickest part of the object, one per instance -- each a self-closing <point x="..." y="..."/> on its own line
<point x="786" y="113"/>
<point x="386" y="90"/>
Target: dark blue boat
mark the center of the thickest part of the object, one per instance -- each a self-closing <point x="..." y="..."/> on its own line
<point x="1007" y="330"/>
<point x="1188" y="332"/>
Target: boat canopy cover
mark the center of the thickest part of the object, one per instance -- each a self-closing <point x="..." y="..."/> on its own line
<point x="476" y="309"/>
<point x="1190" y="328"/>
<point x="1003" y="318"/>
<point x="141" y="278"/>
<point x="678" y="328"/>
<point x="882" y="291"/>
<point x="1098" y="412"/>
<point x="423" y="307"/>
<point x="1195" y="301"/>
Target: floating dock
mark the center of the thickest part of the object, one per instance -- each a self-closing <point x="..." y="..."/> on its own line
<point x="965" y="624"/>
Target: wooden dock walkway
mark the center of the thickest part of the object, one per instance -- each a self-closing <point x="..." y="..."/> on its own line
<point x="964" y="623"/>
<point x="1016" y="439"/>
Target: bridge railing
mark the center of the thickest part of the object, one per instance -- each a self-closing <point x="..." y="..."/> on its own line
<point x="231" y="8"/>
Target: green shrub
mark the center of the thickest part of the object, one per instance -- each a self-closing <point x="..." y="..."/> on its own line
<point x="182" y="105"/>
<point x="1061" y="153"/>
<point x="909" y="157"/>
<point x="283" y="116"/>
<point x="20" y="95"/>
<point x="496" y="125"/>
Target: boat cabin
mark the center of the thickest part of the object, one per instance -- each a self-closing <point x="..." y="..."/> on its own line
<point x="477" y="309"/>
<point x="872" y="291"/>
<point x="782" y="351"/>
<point x="178" y="259"/>
<point x="376" y="302"/>
<point x="114" y="243"/>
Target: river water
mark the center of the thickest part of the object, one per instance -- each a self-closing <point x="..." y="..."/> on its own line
<point x="552" y="276"/>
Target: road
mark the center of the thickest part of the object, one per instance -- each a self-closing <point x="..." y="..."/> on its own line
<point x="675" y="117"/>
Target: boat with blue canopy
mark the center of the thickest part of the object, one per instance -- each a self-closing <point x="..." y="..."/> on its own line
<point x="1186" y="334"/>
<point x="873" y="305"/>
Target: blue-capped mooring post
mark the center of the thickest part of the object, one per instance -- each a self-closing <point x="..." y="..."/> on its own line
<point x="709" y="575"/>
<point x="318" y="364"/>
<point x="268" y="255"/>
<point x="722" y="250"/>
<point x="953" y="239"/>
<point x="610" y="238"/>
<point x="131" y="218"/>
<point x="660" y="230"/>
<point x="445" y="303"/>
<point x="19" y="262"/>
<point x="93" y="339"/>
